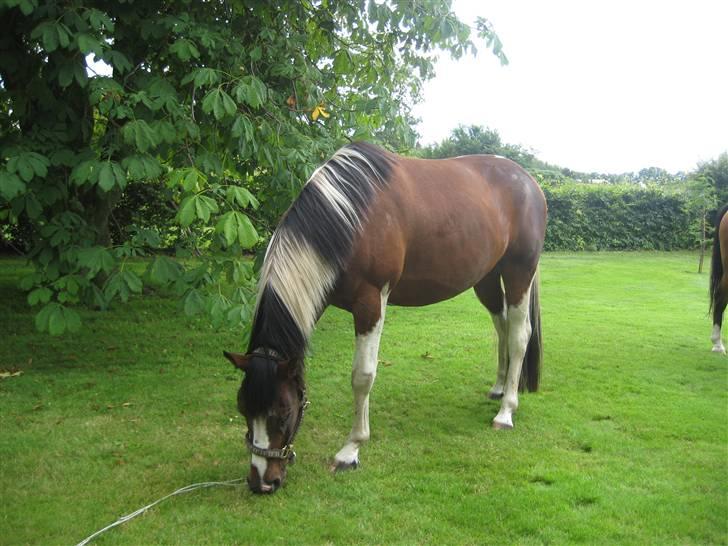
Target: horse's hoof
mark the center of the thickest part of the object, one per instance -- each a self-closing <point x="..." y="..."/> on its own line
<point x="719" y="350"/>
<point x="495" y="395"/>
<point x="502" y="426"/>
<point x="341" y="466"/>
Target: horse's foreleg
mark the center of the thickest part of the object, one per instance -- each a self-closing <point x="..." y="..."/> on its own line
<point x="369" y="320"/>
<point x="519" y="332"/>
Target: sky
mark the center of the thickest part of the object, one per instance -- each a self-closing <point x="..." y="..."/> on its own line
<point x="607" y="86"/>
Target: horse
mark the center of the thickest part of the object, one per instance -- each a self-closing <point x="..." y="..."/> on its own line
<point x="372" y="228"/>
<point x="719" y="278"/>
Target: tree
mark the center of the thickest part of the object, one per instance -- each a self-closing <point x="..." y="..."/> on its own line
<point x="222" y="108"/>
<point x="475" y="139"/>
<point x="701" y="200"/>
<point x="716" y="170"/>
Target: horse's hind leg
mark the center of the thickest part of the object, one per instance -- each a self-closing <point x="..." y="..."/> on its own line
<point x="490" y="293"/>
<point x="368" y="311"/>
<point x="719" y="305"/>
<point x="517" y="281"/>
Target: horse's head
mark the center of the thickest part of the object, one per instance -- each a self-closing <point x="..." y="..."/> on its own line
<point x="272" y="399"/>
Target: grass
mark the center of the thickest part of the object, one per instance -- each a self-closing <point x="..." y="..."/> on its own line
<point x="626" y="443"/>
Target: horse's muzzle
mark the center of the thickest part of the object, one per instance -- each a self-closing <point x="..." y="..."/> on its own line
<point x="261" y="487"/>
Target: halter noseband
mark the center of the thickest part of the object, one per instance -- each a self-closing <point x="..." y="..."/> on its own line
<point x="286" y="452"/>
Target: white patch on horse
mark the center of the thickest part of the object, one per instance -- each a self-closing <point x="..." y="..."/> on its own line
<point x="519" y="332"/>
<point x="718" y="346"/>
<point x="261" y="440"/>
<point x="302" y="283"/>
<point x="364" y="371"/>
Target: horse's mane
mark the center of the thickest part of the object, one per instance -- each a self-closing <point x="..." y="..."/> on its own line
<point x="312" y="244"/>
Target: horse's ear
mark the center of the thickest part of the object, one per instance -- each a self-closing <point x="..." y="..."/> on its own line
<point x="238" y="360"/>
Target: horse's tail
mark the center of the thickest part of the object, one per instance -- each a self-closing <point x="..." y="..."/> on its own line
<point x="716" y="263"/>
<point x="531" y="369"/>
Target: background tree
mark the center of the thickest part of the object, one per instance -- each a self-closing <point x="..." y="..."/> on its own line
<point x="716" y="171"/>
<point x="701" y="201"/>
<point x="209" y="115"/>
<point x="475" y="139"/>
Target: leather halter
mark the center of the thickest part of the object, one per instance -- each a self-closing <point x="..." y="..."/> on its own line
<point x="286" y="452"/>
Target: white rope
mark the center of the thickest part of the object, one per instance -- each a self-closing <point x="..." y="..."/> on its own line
<point x="185" y="489"/>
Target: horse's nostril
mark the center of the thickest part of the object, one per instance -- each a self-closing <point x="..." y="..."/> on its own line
<point x="276" y="483"/>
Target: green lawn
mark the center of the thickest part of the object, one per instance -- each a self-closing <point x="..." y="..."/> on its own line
<point x="626" y="443"/>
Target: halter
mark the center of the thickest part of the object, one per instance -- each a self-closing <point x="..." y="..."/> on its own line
<point x="286" y="452"/>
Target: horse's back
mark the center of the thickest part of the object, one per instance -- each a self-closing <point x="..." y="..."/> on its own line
<point x="441" y="225"/>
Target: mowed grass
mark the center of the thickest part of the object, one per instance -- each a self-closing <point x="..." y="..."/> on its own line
<point x="626" y="442"/>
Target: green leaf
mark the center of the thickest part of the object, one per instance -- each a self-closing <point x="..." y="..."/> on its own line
<point x="86" y="171"/>
<point x="140" y="167"/>
<point x="73" y="319"/>
<point x="184" y="49"/>
<point x="242" y="128"/>
<point x="247" y="235"/>
<point x="219" y="103"/>
<point x="65" y="74"/>
<point x="50" y="37"/>
<point x="106" y="176"/>
<point x="204" y="206"/>
<point x="88" y="44"/>
<point x="210" y="100"/>
<point x="202" y="77"/>
<point x="187" y="209"/>
<point x="251" y="90"/>
<point x="99" y="20"/>
<point x="228" y="104"/>
<point x="95" y="259"/>
<point x="56" y="321"/>
<point x="132" y="281"/>
<point x="39" y="295"/>
<point x="194" y="303"/>
<point x="28" y="165"/>
<point x="43" y="317"/>
<point x="228" y="226"/>
<point x="242" y="197"/>
<point x="119" y="174"/>
<point x="115" y="286"/>
<point x="10" y="185"/>
<point x="342" y="62"/>
<point x="164" y="270"/>
<point x="118" y="60"/>
<point x="138" y="133"/>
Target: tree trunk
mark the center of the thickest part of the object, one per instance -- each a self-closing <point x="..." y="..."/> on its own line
<point x="702" y="244"/>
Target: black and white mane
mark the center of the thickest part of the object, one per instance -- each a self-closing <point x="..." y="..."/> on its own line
<point x="312" y="244"/>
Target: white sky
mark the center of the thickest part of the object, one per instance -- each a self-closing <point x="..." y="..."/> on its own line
<point x="608" y="86"/>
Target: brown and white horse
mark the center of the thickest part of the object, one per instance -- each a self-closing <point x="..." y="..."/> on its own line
<point x="371" y="228"/>
<point x="719" y="277"/>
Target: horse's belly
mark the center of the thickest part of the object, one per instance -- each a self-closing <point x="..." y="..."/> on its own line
<point x="414" y="293"/>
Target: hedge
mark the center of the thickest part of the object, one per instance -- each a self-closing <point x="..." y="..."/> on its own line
<point x="616" y="217"/>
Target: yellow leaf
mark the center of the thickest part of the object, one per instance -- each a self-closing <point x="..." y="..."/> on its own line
<point x="319" y="111"/>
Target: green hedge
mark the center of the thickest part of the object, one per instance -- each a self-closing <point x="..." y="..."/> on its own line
<point x="616" y="217"/>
